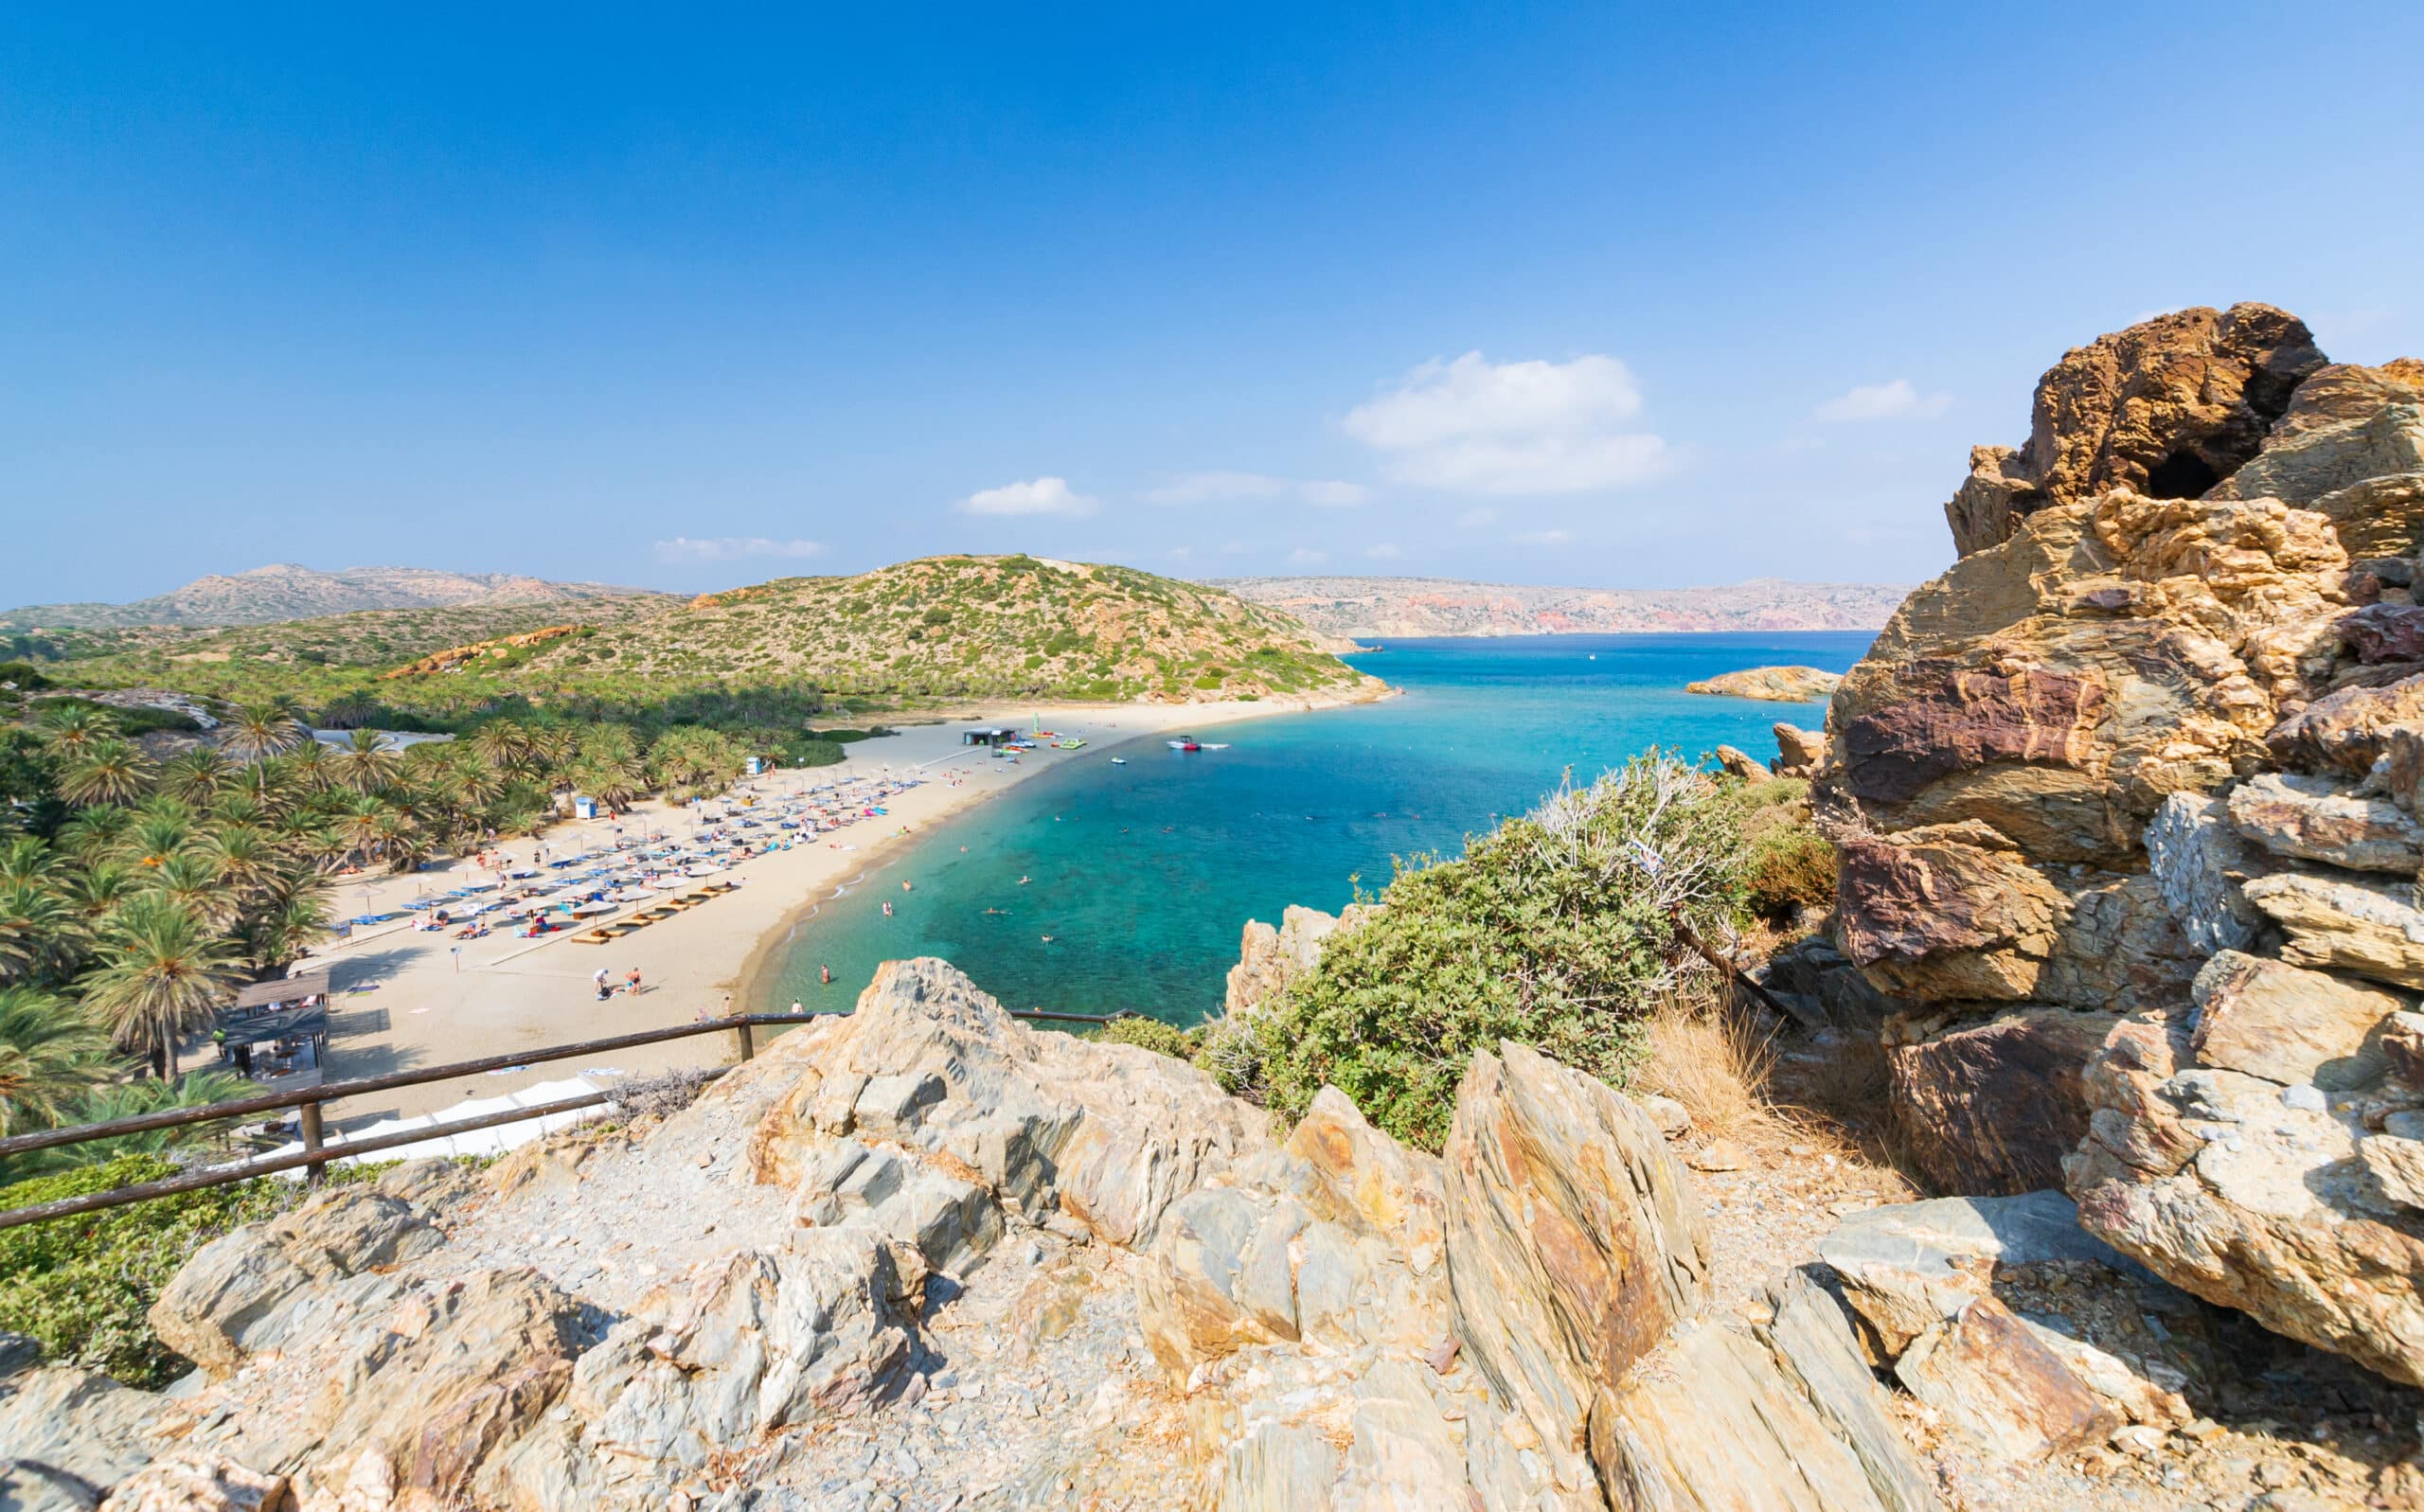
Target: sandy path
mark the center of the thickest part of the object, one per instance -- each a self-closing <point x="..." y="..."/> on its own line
<point x="405" y="1000"/>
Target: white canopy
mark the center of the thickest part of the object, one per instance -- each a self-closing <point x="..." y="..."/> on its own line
<point x="479" y="1142"/>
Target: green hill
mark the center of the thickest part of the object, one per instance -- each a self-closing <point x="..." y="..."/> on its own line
<point x="957" y="626"/>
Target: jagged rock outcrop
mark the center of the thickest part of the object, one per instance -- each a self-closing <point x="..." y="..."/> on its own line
<point x="1269" y="959"/>
<point x="2170" y="407"/>
<point x="2127" y="805"/>
<point x="878" y="1252"/>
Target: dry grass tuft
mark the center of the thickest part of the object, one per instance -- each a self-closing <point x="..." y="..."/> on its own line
<point x="1722" y="1068"/>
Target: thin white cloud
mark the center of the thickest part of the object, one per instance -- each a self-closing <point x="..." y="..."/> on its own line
<point x="1896" y="401"/>
<point x="1036" y="496"/>
<point x="1544" y="538"/>
<point x="1182" y="553"/>
<point x="732" y="549"/>
<point x="1475" y="519"/>
<point x="1306" y="556"/>
<point x="1386" y="551"/>
<point x="1215" y="488"/>
<point x="1474" y="426"/>
<point x="1332" y="495"/>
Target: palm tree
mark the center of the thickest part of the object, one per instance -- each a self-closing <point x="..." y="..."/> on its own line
<point x="152" y="839"/>
<point x="68" y="727"/>
<point x="26" y="860"/>
<point x="366" y="763"/>
<point x="502" y="743"/>
<point x="51" y="1052"/>
<point x="350" y="710"/>
<point x="360" y="825"/>
<point x="191" y="880"/>
<point x="244" y="858"/>
<point x="162" y="971"/>
<point x="105" y="772"/>
<point x="258" y="731"/>
<point x="37" y="929"/>
<point x="198" y="777"/>
<point x="291" y="927"/>
<point x="99" y="890"/>
<point x="94" y="832"/>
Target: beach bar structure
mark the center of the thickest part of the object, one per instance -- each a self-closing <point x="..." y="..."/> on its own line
<point x="988" y="738"/>
<point x="277" y="1032"/>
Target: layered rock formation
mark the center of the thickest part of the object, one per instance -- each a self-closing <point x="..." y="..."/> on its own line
<point x="2127" y="807"/>
<point x="922" y="1253"/>
<point x="2169" y="408"/>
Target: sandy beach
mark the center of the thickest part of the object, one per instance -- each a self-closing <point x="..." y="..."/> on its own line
<point x="406" y="999"/>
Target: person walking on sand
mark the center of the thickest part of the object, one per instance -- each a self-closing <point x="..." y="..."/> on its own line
<point x="631" y="982"/>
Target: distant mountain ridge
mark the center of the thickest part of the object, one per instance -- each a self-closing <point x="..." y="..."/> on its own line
<point x="284" y="591"/>
<point x="1378" y="608"/>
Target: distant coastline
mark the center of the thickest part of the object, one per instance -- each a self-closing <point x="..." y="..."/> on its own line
<point x="1383" y="608"/>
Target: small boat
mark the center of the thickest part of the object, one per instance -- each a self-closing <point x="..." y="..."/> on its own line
<point x="1118" y="761"/>
<point x="1185" y="742"/>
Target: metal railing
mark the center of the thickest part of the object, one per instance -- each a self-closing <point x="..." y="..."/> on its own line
<point x="315" y="1154"/>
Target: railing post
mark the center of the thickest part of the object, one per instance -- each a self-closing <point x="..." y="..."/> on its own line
<point x="748" y="1039"/>
<point x="316" y="1171"/>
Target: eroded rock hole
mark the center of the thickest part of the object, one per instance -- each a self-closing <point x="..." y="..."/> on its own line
<point x="2181" y="475"/>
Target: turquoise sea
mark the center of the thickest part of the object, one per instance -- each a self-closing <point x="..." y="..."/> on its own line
<point x="1144" y="874"/>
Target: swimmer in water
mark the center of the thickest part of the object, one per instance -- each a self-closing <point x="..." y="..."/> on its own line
<point x="1022" y="881"/>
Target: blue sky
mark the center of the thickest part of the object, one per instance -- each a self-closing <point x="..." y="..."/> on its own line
<point x="1597" y="294"/>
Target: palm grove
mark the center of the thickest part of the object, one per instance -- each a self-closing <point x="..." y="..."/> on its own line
<point x="136" y="894"/>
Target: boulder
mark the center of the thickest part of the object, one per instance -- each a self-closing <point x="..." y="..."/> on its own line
<point x="230" y="1300"/>
<point x="1993" y="1104"/>
<point x="2347" y="730"/>
<point x="2289" y="1025"/>
<point x="2150" y="754"/>
<point x="2314" y="819"/>
<point x="2341" y="924"/>
<point x="1996" y="1381"/>
<point x="737" y="1349"/>
<point x="2384" y="633"/>
<point x="1799" y="752"/>
<point x="1736" y="762"/>
<point x="2170" y="406"/>
<point x="2253" y="1197"/>
<point x="1564" y="1267"/>
<point x="1055" y="1128"/>
<point x="68" y="1435"/>
<point x="1338" y="1238"/>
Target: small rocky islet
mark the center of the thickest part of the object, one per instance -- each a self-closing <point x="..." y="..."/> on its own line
<point x="2127" y="807"/>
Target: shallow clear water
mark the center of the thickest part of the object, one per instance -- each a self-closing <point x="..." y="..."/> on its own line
<point x="1143" y="874"/>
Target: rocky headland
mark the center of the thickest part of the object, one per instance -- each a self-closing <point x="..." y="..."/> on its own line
<point x="1773" y="684"/>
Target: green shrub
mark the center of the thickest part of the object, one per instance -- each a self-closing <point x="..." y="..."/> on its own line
<point x="1162" y="1039"/>
<point x="1786" y="862"/>
<point x="1556" y="931"/>
<point x="23" y="675"/>
<point x="82" y="1285"/>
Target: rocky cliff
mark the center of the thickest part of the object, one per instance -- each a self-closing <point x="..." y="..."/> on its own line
<point x="922" y="1253"/>
<point x="2128" y="809"/>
